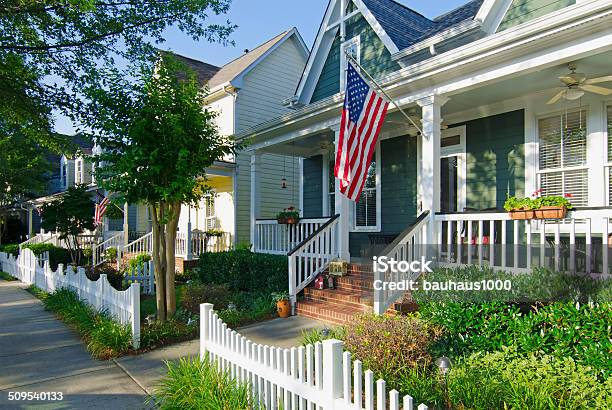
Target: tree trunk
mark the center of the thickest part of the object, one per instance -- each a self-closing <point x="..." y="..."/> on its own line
<point x="172" y="225"/>
<point x="157" y="214"/>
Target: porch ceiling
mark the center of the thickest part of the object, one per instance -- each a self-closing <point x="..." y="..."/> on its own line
<point x="545" y="80"/>
<point x="303" y="147"/>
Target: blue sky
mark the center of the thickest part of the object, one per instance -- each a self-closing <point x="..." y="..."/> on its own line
<point x="260" y="20"/>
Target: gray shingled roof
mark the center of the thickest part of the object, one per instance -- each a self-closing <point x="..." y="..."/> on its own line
<point x="406" y="27"/>
<point x="204" y="71"/>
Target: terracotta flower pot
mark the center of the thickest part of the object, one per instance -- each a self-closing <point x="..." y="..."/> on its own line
<point x="283" y="307"/>
<point x="521" y="214"/>
<point x="291" y="220"/>
<point x="551" y="212"/>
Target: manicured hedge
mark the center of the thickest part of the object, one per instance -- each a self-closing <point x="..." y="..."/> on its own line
<point x="243" y="270"/>
<point x="56" y="255"/>
<point x="10" y="248"/>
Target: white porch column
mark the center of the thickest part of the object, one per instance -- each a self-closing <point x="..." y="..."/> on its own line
<point x="126" y="237"/>
<point x="30" y="224"/>
<point x="255" y="198"/>
<point x="430" y="159"/>
<point x="188" y="247"/>
<point x="342" y="207"/>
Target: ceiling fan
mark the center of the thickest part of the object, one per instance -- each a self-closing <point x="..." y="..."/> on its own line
<point x="576" y="84"/>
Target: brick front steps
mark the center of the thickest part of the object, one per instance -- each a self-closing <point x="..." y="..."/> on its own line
<point x="352" y="296"/>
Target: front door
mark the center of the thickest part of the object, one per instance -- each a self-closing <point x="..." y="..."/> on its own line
<point x="452" y="170"/>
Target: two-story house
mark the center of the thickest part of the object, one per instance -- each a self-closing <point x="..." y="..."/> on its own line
<point x="506" y="97"/>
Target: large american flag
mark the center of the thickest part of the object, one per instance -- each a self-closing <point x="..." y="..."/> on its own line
<point x="101" y="210"/>
<point x="362" y="118"/>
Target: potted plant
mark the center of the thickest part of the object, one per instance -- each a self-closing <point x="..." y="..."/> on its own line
<point x="214" y="233"/>
<point x="289" y="216"/>
<point x="552" y="206"/>
<point x="283" y="307"/>
<point x="519" y="208"/>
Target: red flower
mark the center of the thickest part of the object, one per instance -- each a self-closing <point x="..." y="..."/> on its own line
<point x="569" y="195"/>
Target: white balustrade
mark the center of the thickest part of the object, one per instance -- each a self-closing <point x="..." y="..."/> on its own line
<point x="99" y="250"/>
<point x="274" y="238"/>
<point x="312" y="256"/>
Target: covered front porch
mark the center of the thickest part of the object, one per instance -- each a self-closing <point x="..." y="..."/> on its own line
<point x="482" y="141"/>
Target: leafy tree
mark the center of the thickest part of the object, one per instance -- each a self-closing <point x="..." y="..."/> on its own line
<point x="66" y="42"/>
<point x="157" y="141"/>
<point x="70" y="215"/>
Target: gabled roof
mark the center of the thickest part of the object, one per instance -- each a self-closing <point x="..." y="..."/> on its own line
<point x="204" y="71"/>
<point x="407" y="27"/>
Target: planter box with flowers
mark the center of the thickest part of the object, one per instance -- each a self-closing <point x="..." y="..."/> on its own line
<point x="551" y="207"/>
<point x="538" y="207"/>
<point x="289" y="216"/>
<point x="519" y="208"/>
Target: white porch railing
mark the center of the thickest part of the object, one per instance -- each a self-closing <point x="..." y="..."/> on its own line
<point x="39" y="238"/>
<point x="409" y="246"/>
<point x="319" y="376"/>
<point x="580" y="243"/>
<point x="144" y="244"/>
<point x="202" y="243"/>
<point x="274" y="238"/>
<point x="99" y="251"/>
<point x="312" y="256"/>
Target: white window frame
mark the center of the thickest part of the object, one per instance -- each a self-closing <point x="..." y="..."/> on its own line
<point x="586" y="166"/>
<point x="355" y="41"/>
<point x="327" y="202"/>
<point x="78" y="166"/>
<point x="458" y="151"/>
<point x="378" y="226"/>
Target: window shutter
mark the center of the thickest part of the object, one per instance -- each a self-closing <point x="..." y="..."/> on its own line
<point x="562" y="150"/>
<point x="610" y="134"/>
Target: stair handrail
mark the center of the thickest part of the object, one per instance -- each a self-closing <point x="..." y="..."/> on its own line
<point x="311" y="257"/>
<point x="37" y="239"/>
<point x="145" y="240"/>
<point x="407" y="246"/>
<point x="99" y="249"/>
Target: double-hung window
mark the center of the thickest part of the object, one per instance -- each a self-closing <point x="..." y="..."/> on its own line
<point x="366" y="211"/>
<point x="563" y="156"/>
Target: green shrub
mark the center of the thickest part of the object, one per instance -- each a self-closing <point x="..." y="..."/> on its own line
<point x="57" y="255"/>
<point x="194" y="384"/>
<point x="242" y="270"/>
<point x="196" y="293"/>
<point x="159" y="334"/>
<point x="139" y="261"/>
<point x="539" y="285"/>
<point x="507" y="380"/>
<point x="310" y="337"/>
<point x="249" y="309"/>
<point x="560" y="329"/>
<point x="105" y="338"/>
<point x="10" y="248"/>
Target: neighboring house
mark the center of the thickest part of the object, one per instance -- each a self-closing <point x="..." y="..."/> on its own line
<point x="479" y="81"/>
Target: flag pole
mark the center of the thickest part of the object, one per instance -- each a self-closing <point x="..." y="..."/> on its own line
<point x="350" y="57"/>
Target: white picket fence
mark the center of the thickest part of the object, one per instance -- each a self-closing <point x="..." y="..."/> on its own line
<point x="142" y="274"/>
<point x="123" y="305"/>
<point x="319" y="376"/>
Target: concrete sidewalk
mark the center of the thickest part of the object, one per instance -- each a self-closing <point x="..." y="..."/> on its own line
<point x="38" y="353"/>
<point x="149" y="368"/>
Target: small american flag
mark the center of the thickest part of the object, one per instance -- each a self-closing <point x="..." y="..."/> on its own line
<point x="362" y="118"/>
<point x="101" y="210"/>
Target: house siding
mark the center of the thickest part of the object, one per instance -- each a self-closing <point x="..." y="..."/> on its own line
<point x="495" y="148"/>
<point x="521" y="11"/>
<point x="398" y="191"/>
<point x="259" y="100"/>
<point x="375" y="58"/>
<point x="313" y="186"/>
